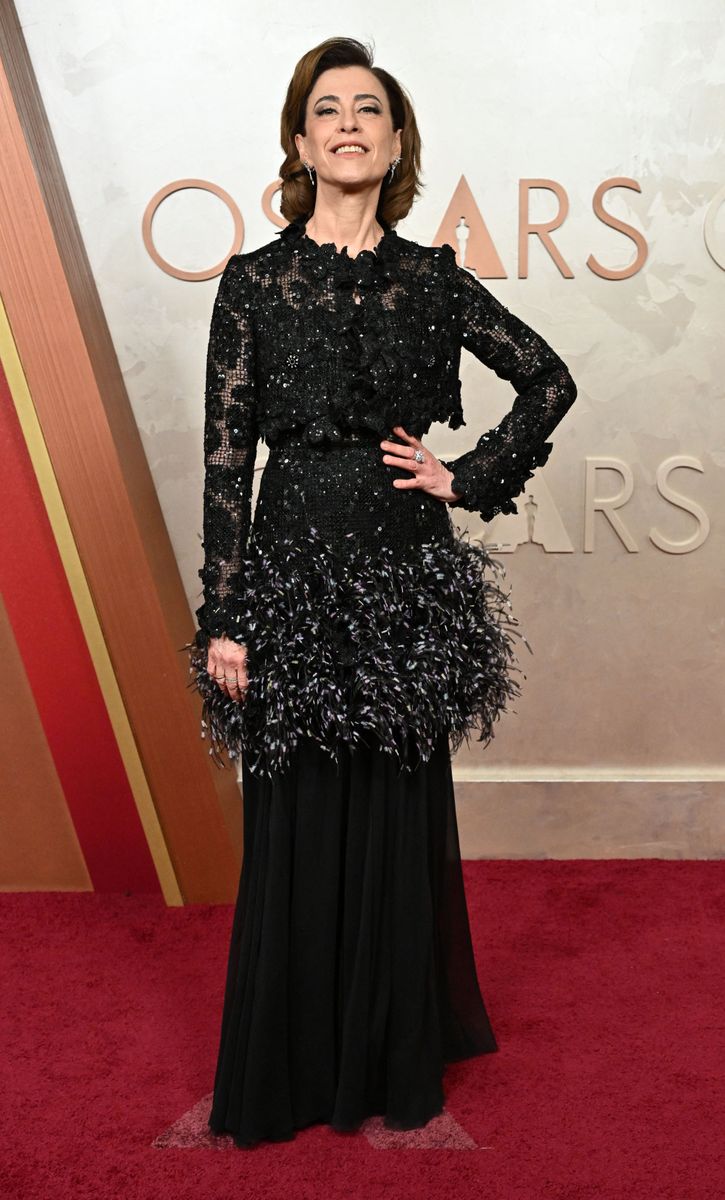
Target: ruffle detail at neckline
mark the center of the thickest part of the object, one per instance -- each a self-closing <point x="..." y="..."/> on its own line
<point x="363" y="268"/>
<point x="346" y="646"/>
<point x="380" y="379"/>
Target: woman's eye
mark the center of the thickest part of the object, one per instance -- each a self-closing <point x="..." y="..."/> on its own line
<point x="365" y="108"/>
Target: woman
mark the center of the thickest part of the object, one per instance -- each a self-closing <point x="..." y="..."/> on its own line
<point x="349" y="638"/>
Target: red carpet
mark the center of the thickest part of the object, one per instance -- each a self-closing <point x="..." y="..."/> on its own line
<point x="604" y="980"/>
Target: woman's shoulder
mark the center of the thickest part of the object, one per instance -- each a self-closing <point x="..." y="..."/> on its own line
<point x="245" y="261"/>
<point x="442" y="251"/>
<point x="245" y="269"/>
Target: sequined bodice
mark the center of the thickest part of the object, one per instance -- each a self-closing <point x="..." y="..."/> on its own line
<point x="326" y="362"/>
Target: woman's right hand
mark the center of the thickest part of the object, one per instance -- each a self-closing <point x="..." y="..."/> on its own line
<point x="227" y="664"/>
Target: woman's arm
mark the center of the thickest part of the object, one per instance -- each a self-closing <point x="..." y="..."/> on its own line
<point x="230" y="448"/>
<point x="488" y="477"/>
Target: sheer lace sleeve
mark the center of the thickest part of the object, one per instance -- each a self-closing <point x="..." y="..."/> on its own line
<point x="488" y="477"/>
<point x="230" y="447"/>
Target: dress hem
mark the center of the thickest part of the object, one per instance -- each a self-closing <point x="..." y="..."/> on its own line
<point x="351" y="1127"/>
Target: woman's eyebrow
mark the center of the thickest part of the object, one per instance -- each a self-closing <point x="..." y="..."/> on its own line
<point x="359" y="96"/>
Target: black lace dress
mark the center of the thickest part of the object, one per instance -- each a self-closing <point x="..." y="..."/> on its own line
<point x="378" y="637"/>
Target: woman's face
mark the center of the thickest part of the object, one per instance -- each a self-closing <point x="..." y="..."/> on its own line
<point x="348" y="105"/>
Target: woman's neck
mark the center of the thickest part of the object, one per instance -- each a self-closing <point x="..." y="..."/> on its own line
<point x="355" y="233"/>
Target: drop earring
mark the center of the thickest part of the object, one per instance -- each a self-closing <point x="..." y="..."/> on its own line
<point x="393" y="165"/>
<point x="310" y="169"/>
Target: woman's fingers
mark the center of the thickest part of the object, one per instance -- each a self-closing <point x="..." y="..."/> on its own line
<point x="430" y="475"/>
<point x="404" y="457"/>
<point x="235" y="684"/>
<point x="227" y="664"/>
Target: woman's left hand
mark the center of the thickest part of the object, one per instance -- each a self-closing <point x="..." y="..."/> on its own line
<point x="429" y="475"/>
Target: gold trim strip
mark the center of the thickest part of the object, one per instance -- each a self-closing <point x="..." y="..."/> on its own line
<point x="588" y="775"/>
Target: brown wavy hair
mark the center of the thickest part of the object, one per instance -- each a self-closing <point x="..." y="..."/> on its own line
<point x="298" y="193"/>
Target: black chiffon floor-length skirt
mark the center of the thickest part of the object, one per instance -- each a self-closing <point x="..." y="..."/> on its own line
<point x="351" y="979"/>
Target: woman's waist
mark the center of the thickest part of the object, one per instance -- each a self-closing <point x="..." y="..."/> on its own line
<point x="301" y="439"/>
<point x="352" y="467"/>
<point x="344" y="488"/>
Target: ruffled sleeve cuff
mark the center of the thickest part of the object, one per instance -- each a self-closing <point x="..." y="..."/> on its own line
<point x="217" y="620"/>
<point x="489" y="488"/>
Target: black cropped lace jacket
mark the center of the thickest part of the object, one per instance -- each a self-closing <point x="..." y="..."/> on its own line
<point x="291" y="349"/>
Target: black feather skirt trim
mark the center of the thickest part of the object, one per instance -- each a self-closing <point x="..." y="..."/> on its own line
<point x="346" y="646"/>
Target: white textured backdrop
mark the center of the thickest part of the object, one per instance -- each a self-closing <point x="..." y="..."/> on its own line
<point x="627" y="676"/>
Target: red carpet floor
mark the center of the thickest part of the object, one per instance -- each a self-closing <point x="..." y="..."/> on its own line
<point x="604" y="980"/>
